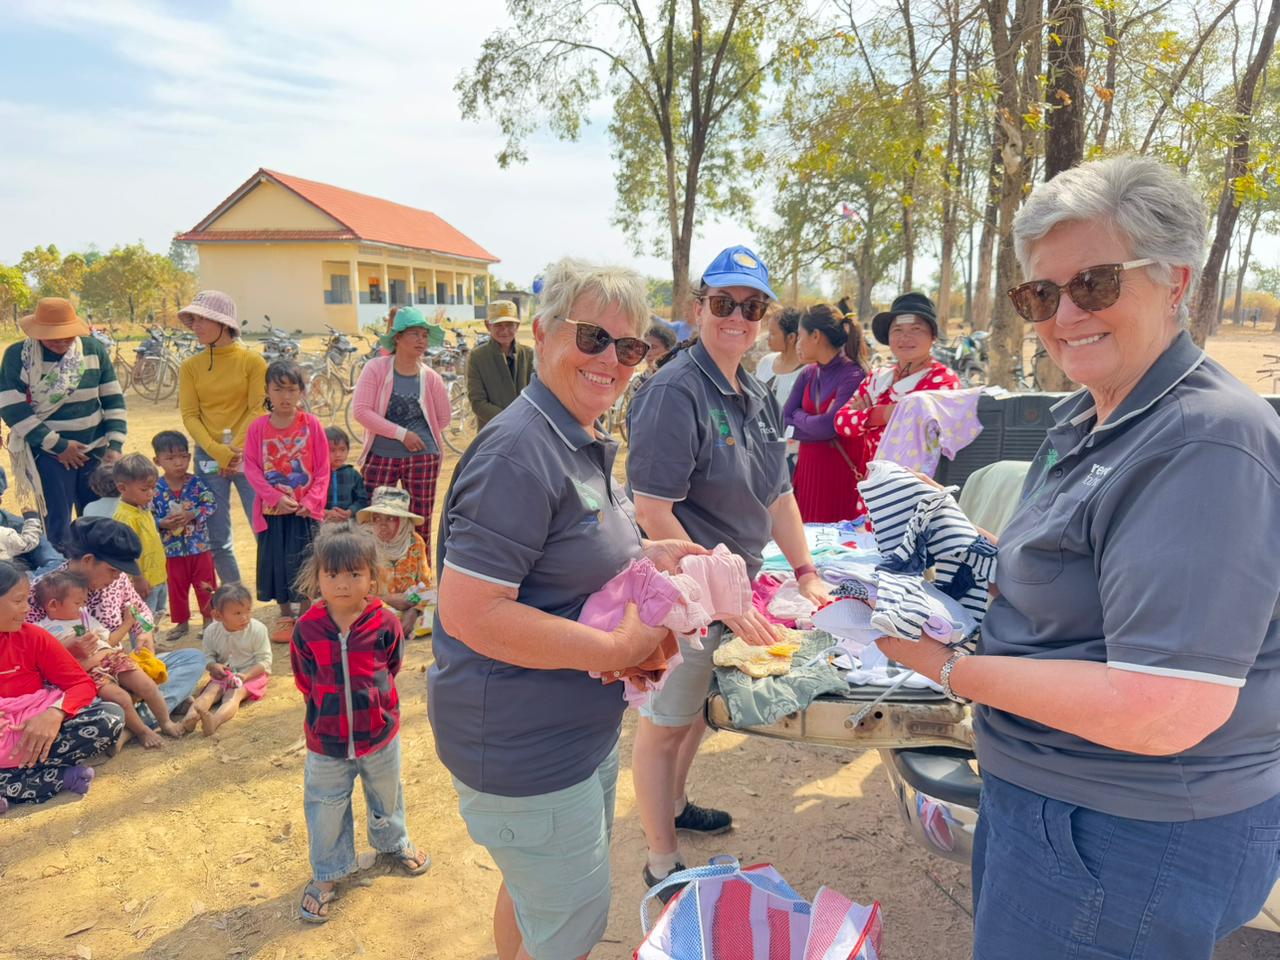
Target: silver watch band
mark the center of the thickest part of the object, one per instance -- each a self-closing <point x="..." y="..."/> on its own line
<point x="944" y="677"/>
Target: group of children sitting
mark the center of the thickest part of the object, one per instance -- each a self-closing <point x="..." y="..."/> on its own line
<point x="168" y="507"/>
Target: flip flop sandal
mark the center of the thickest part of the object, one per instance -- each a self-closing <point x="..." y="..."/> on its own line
<point x="410" y="865"/>
<point x="322" y="897"/>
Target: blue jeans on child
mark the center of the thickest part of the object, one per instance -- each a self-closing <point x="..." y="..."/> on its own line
<point x="1051" y="879"/>
<point x="326" y="799"/>
<point x="224" y="554"/>
<point x="185" y="668"/>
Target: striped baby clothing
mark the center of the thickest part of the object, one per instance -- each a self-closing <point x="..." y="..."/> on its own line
<point x="918" y="526"/>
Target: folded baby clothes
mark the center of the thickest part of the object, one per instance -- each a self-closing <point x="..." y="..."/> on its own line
<point x="755" y="702"/>
<point x="928" y="424"/>
<point x="791" y="607"/>
<point x="686" y="603"/>
<point x="848" y="620"/>
<point x="918" y="527"/>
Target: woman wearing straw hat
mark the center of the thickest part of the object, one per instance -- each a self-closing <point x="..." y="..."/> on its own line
<point x="220" y="392"/>
<point x="402" y="553"/>
<point x="65" y="410"/>
<point x="404" y="406"/>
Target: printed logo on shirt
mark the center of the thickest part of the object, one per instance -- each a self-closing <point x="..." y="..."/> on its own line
<point x="720" y="423"/>
<point x="1097" y="473"/>
<point x="592" y="501"/>
<point x="766" y="429"/>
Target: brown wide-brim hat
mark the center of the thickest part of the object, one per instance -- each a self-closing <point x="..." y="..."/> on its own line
<point x="212" y="305"/>
<point x="54" y="319"/>
<point x="503" y="311"/>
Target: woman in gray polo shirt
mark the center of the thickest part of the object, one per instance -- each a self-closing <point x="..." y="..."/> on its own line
<point x="707" y="461"/>
<point x="1127" y="691"/>
<point x="534" y="523"/>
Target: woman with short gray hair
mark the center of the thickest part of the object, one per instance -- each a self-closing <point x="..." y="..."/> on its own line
<point x="1125" y="694"/>
<point x="533" y="524"/>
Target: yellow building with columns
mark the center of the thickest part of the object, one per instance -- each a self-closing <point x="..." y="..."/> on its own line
<point x="307" y="254"/>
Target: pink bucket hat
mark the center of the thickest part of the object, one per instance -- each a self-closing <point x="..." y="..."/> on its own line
<point x="212" y="305"/>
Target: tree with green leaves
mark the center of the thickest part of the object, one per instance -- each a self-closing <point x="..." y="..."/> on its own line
<point x="685" y="78"/>
<point x="15" y="295"/>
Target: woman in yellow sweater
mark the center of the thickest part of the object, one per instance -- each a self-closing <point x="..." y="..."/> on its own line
<point x="221" y="389"/>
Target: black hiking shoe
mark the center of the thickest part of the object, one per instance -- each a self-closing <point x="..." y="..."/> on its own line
<point x="650" y="881"/>
<point x="704" y="820"/>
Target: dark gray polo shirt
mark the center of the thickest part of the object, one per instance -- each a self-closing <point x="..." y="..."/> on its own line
<point x="716" y="453"/>
<point x="1150" y="543"/>
<point x="532" y="506"/>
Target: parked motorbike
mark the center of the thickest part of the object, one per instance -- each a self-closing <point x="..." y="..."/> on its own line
<point x="967" y="355"/>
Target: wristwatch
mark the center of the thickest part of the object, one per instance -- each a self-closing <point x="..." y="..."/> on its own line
<point x="804" y="570"/>
<point x="944" y="678"/>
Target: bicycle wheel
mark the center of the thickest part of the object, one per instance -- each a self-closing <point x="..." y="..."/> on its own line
<point x="161" y="379"/>
<point x="145" y="371"/>
<point x="325" y="395"/>
<point x="462" y="422"/>
<point x="124" y="373"/>
<point x="355" y="429"/>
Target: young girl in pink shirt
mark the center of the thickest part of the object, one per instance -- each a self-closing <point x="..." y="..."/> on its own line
<point x="286" y="458"/>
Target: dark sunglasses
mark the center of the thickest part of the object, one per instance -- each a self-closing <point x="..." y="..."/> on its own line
<point x="723" y="306"/>
<point x="1092" y="289"/>
<point x="592" y="339"/>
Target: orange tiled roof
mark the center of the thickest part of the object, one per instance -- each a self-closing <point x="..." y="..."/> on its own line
<point x="364" y="217"/>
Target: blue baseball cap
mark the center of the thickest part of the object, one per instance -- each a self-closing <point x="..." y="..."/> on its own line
<point x="739" y="267"/>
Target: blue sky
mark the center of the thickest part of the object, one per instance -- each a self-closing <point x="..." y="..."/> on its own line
<point x="129" y="120"/>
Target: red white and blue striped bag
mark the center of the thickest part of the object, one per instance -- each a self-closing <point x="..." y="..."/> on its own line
<point x="729" y="912"/>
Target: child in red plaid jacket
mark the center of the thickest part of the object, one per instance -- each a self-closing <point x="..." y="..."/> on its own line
<point x="346" y="652"/>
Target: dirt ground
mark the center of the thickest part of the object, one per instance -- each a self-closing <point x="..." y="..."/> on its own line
<point x="198" y="851"/>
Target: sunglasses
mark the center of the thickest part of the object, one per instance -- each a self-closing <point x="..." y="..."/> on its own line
<point x="592" y="339"/>
<point x="723" y="306"/>
<point x="1092" y="289"/>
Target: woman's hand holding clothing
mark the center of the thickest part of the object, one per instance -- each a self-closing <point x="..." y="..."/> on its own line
<point x="635" y="642"/>
<point x="753" y="628"/>
<point x="667" y="554"/>
<point x="814" y="589"/>
<point x="38" y="734"/>
<point x="75" y="456"/>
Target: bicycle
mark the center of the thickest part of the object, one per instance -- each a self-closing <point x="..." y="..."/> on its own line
<point x="155" y="369"/>
<point x="123" y="368"/>
<point x="1029" y="380"/>
<point x="332" y="386"/>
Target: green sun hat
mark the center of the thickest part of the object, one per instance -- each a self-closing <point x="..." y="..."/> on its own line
<point x="406" y="318"/>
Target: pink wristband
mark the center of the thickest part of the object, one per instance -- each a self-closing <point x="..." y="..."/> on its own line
<point x="804" y="570"/>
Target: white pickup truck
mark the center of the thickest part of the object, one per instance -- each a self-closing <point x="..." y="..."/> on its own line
<point x="925" y="740"/>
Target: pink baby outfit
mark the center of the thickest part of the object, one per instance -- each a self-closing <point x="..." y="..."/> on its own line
<point x="686" y="603"/>
<point x="14" y="712"/>
<point x="924" y="426"/>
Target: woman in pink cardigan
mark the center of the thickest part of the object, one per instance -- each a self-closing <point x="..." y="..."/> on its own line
<point x="286" y="460"/>
<point x="403" y="405"/>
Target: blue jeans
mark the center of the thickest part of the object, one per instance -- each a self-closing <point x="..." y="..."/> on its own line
<point x="224" y="554"/>
<point x="326" y="800"/>
<point x="1051" y="879"/>
<point x="185" y="667"/>
<point x="63" y="489"/>
<point x="43" y="558"/>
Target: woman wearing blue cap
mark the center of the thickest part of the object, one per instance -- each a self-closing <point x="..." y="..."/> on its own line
<point x="708" y="463"/>
<point x="404" y="406"/>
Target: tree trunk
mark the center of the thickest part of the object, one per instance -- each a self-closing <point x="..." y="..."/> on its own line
<point x="1064" y="141"/>
<point x="1236" y="312"/>
<point x="1011" y="140"/>
<point x="1108" y="13"/>
<point x="950" y="161"/>
<point x="987" y="240"/>
<point x="1237" y="164"/>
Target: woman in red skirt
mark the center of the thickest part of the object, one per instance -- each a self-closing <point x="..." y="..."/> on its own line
<point x="827" y="469"/>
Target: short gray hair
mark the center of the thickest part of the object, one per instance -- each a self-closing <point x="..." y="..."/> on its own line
<point x="569" y="278"/>
<point x="1148" y="203"/>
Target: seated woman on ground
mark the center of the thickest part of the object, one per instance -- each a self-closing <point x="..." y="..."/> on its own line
<point x="402" y="553"/>
<point x="238" y="649"/>
<point x="63" y="594"/>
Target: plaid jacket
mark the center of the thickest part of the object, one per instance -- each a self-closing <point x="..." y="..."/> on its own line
<point x="347" y="490"/>
<point x="373" y="660"/>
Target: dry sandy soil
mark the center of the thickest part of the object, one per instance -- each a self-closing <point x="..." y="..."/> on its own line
<point x="198" y="851"/>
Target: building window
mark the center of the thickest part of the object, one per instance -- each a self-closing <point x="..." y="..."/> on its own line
<point x="422" y="293"/>
<point x="442" y="292"/>
<point x="374" y="293"/>
<point x="339" y="289"/>
<point x="399" y="292"/>
<point x="462" y="297"/>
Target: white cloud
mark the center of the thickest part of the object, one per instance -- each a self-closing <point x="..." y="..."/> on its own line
<point x="361" y="97"/>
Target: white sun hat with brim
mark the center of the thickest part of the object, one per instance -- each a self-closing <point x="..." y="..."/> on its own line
<point x="390" y="502"/>
<point x="212" y="305"/>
